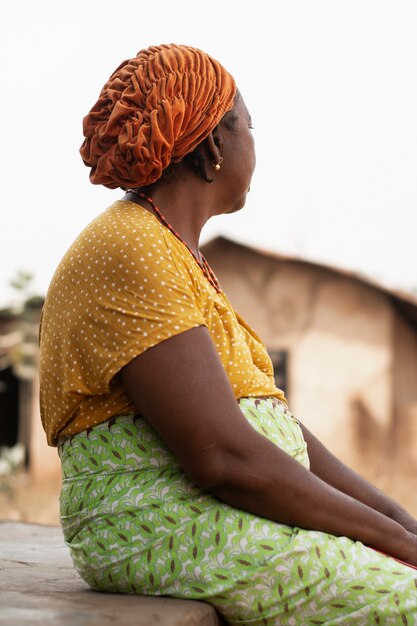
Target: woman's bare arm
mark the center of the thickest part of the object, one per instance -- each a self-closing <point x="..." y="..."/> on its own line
<point x="330" y="469"/>
<point x="182" y="389"/>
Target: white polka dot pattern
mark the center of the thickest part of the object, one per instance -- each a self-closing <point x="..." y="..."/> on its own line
<point x="126" y="284"/>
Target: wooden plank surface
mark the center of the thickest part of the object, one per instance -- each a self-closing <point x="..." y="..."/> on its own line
<point x="39" y="586"/>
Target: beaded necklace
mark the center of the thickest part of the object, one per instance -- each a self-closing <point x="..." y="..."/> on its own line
<point x="203" y="264"/>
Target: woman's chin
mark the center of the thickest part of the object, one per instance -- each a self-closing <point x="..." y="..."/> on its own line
<point x="239" y="204"/>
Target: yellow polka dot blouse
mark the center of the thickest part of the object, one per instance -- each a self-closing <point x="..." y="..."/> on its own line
<point x="126" y="284"/>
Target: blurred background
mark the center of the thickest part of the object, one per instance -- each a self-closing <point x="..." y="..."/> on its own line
<point x="322" y="261"/>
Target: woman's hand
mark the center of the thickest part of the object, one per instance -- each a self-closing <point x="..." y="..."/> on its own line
<point x="404" y="518"/>
<point x="410" y="550"/>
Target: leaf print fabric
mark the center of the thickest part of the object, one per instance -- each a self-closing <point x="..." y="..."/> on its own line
<point x="135" y="524"/>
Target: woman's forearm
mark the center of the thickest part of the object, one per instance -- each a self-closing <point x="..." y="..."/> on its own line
<point x="172" y="385"/>
<point x="330" y="469"/>
<point x="268" y="482"/>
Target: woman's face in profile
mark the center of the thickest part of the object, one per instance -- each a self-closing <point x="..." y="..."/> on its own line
<point x="239" y="158"/>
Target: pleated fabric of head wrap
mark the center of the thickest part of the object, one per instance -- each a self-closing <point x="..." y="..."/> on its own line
<point x="153" y="110"/>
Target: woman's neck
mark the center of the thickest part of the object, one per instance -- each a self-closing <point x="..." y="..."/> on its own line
<point x="185" y="209"/>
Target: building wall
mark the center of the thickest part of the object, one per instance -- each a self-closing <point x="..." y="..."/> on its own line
<point x="337" y="332"/>
<point x="342" y="371"/>
<point x="403" y="463"/>
<point x="405" y="384"/>
<point x="45" y="465"/>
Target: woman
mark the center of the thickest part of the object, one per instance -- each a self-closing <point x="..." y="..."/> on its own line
<point x="184" y="472"/>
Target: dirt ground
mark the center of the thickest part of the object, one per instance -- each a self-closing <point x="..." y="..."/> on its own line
<point x="25" y="500"/>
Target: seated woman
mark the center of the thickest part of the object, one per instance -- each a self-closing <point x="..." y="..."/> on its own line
<point x="184" y="472"/>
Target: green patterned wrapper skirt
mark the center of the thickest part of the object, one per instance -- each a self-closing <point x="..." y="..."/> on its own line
<point x="134" y="523"/>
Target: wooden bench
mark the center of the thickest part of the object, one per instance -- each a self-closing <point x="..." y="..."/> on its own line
<point x="39" y="586"/>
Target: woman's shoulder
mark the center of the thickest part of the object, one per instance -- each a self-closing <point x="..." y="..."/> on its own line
<point x="123" y="220"/>
<point x="125" y="247"/>
<point x="121" y="234"/>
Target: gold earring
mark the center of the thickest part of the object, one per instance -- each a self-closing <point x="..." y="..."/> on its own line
<point x="218" y="165"/>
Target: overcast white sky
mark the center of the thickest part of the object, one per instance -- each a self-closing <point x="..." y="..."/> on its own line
<point x="332" y="89"/>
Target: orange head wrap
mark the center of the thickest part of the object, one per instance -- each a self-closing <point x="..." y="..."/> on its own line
<point x="154" y="109"/>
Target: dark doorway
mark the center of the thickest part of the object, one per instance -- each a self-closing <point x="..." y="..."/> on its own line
<point x="9" y="407"/>
<point x="279" y="360"/>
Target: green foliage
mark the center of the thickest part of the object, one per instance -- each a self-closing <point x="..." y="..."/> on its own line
<point x="22" y="281"/>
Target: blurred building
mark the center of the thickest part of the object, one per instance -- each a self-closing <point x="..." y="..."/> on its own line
<point x="344" y="348"/>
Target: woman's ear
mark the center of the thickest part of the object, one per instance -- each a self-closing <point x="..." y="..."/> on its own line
<point x="215" y="145"/>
